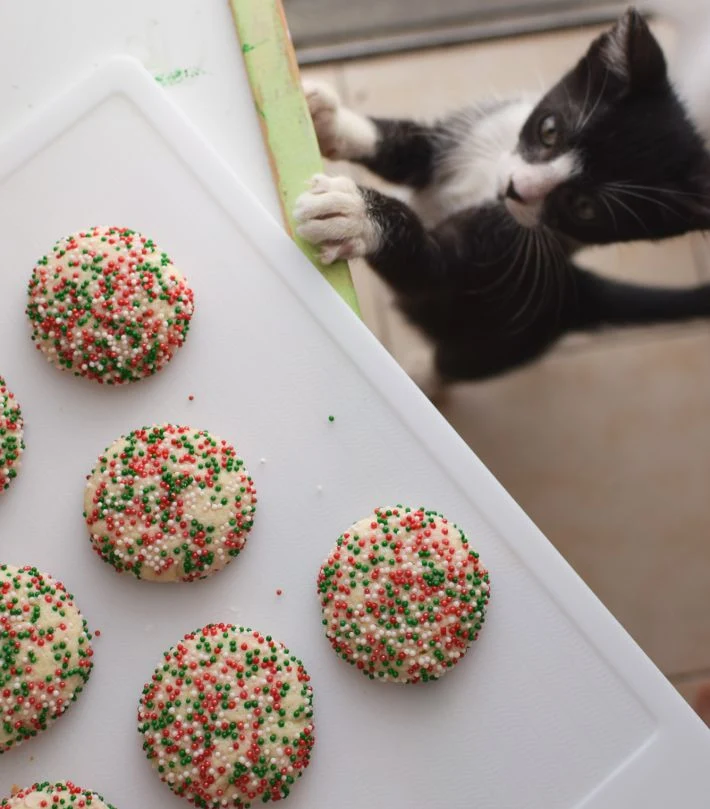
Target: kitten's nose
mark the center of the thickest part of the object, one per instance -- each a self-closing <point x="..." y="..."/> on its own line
<point x="512" y="193"/>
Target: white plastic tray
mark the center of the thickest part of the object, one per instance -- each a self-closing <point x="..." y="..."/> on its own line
<point x="554" y="707"/>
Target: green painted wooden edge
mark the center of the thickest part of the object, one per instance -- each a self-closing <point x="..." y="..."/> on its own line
<point x="285" y="121"/>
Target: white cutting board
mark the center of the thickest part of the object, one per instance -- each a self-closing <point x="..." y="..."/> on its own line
<point x="554" y="707"/>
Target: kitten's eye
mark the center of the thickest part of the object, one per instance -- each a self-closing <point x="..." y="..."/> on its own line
<point x="584" y="208"/>
<point x="548" y="131"/>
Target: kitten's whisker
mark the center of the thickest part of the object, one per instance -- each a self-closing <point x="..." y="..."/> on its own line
<point x="603" y="198"/>
<point x="615" y="198"/>
<point x="556" y="274"/>
<point x="567" y="95"/>
<point x="517" y="243"/>
<point x="597" y="102"/>
<point x="527" y="304"/>
<point x="561" y="267"/>
<point x="655" y="201"/>
<point x="672" y="192"/>
<point x="526" y="259"/>
<point x="703" y="205"/>
<point x="544" y="273"/>
<point x="501" y="280"/>
<point x="524" y="238"/>
<point x="583" y="109"/>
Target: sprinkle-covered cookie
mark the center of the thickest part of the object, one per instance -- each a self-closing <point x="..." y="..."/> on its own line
<point x="227" y="718"/>
<point x="11" y="443"/>
<point x="106" y="303"/>
<point x="169" y="503"/>
<point x="45" y="653"/>
<point x="403" y="595"/>
<point x="63" y="795"/>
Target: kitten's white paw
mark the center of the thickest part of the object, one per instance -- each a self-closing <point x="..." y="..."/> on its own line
<point x="323" y="104"/>
<point x="333" y="214"/>
<point x="342" y="134"/>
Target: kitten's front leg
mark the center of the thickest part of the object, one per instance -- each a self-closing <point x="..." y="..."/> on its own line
<point x="348" y="221"/>
<point x="342" y="134"/>
<point x="402" y="152"/>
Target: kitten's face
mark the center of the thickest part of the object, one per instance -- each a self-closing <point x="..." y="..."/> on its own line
<point x="608" y="154"/>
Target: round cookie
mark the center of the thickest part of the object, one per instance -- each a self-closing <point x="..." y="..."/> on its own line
<point x="45" y="653"/>
<point x="11" y="443"/>
<point x="108" y="304"/>
<point x="227" y="718"/>
<point x="64" y="795"/>
<point x="403" y="595"/>
<point x="169" y="503"/>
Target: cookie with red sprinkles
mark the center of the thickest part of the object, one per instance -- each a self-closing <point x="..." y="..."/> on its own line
<point x="62" y="795"/>
<point x="11" y="442"/>
<point x="403" y="595"/>
<point x="45" y="653"/>
<point x="169" y="503"/>
<point x="227" y="718"/>
<point x="107" y="304"/>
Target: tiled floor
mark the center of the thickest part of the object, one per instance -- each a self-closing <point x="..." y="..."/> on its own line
<point x="605" y="442"/>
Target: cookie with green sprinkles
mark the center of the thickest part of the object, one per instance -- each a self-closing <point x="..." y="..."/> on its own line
<point x="107" y="304"/>
<point x="45" y="653"/>
<point x="227" y="718"/>
<point x="63" y="795"/>
<point x="169" y="503"/>
<point x="403" y="595"/>
<point x="11" y="442"/>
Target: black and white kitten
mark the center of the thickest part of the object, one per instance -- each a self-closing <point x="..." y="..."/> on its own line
<point x="504" y="193"/>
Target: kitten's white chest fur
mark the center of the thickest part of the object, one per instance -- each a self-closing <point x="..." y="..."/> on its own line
<point x="472" y="174"/>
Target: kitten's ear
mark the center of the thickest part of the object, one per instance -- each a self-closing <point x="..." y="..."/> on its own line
<point x="631" y="53"/>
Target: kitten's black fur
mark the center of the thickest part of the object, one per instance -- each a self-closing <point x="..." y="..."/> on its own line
<point x="492" y="295"/>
